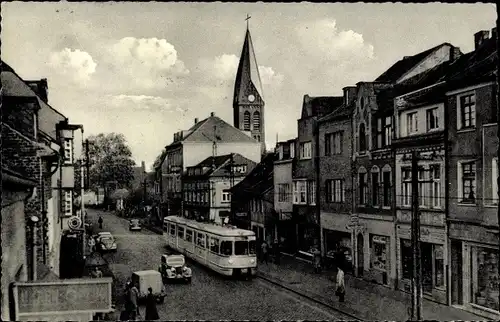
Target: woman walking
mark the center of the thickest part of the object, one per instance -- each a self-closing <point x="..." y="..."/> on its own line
<point x="151" y="311"/>
<point x="340" y="284"/>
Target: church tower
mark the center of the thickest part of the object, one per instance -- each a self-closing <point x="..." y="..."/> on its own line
<point x="248" y="101"/>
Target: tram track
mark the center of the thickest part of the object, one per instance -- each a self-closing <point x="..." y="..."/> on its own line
<point x="309" y="298"/>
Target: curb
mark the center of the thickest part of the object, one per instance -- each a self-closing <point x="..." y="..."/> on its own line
<point x="316" y="299"/>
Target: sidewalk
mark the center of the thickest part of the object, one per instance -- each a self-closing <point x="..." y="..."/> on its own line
<point x="365" y="300"/>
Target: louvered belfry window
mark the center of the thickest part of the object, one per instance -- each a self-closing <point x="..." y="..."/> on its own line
<point x="246" y="121"/>
<point x="256" y="121"/>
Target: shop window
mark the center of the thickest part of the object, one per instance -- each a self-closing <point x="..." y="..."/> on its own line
<point x="484" y="268"/>
<point x="406" y="259"/>
<point x="438" y="266"/>
<point x="378" y="246"/>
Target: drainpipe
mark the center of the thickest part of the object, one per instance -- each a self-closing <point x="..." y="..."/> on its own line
<point x="317" y="180"/>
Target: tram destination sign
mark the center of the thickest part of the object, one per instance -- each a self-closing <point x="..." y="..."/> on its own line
<point x="62" y="296"/>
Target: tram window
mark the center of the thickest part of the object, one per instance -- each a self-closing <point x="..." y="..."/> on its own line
<point x="226" y="247"/>
<point x="200" y="240"/>
<point x="189" y="235"/>
<point x="214" y="245"/>
<point x="252" y="245"/>
<point x="165" y="226"/>
<point x="180" y="232"/>
<point x="241" y="247"/>
<point x="172" y="230"/>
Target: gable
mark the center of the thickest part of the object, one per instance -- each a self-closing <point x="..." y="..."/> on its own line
<point x="223" y="132"/>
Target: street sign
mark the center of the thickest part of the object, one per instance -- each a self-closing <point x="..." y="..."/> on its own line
<point x="71" y="296"/>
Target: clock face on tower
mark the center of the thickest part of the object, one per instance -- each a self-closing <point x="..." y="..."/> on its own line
<point x="251" y="98"/>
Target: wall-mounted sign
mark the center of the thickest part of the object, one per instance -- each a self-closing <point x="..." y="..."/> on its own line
<point x="71" y="296"/>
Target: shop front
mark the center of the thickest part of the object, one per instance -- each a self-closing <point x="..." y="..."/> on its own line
<point x="433" y="249"/>
<point x="336" y="238"/>
<point x="474" y="272"/>
<point x="287" y="233"/>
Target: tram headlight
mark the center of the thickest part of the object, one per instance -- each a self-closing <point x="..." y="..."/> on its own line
<point x="252" y="261"/>
<point x="230" y="261"/>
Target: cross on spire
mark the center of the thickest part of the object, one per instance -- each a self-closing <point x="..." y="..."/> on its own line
<point x="248" y="18"/>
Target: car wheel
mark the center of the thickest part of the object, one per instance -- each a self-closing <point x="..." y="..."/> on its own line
<point x="189" y="280"/>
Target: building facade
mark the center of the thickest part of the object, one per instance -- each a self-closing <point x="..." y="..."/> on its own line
<point x="335" y="183"/>
<point x="252" y="201"/>
<point x="283" y="197"/>
<point x="206" y="187"/>
<point x="305" y="174"/>
<point x="472" y="166"/>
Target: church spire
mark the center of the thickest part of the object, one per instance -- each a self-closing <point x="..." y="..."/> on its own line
<point x="247" y="76"/>
<point x="248" y="100"/>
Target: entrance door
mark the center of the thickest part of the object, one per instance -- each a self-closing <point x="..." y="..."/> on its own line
<point x="360" y="248"/>
<point x="456" y="272"/>
<point x="426" y="253"/>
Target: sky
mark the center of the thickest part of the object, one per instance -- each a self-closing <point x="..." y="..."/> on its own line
<point x="148" y="69"/>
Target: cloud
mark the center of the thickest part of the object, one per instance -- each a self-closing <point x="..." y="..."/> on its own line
<point x="143" y="102"/>
<point x="322" y="39"/>
<point x="74" y="63"/>
<point x="224" y="67"/>
<point x="145" y="63"/>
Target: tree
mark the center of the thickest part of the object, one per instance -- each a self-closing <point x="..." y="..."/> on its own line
<point x="110" y="159"/>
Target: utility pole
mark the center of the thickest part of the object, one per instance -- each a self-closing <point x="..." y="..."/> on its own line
<point x="416" y="311"/>
<point x="317" y="183"/>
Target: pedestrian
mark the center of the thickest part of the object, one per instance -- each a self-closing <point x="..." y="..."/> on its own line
<point x="277" y="250"/>
<point x="340" y="283"/>
<point x="264" y="247"/>
<point x="91" y="244"/>
<point x="100" y="222"/>
<point x="151" y="311"/>
<point x="131" y="301"/>
<point x="316" y="259"/>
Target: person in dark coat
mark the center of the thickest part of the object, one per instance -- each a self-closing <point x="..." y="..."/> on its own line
<point x="100" y="222"/>
<point x="151" y="311"/>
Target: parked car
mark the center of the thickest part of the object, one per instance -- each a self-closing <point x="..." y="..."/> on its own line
<point x="134" y="224"/>
<point x="173" y="268"/>
<point x="105" y="242"/>
<point x="149" y="278"/>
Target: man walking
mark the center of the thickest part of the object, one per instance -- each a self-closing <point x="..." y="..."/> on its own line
<point x="264" y="248"/>
<point x="340" y="283"/>
<point x="100" y="221"/>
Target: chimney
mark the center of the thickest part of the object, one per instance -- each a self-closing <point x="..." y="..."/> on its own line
<point x="349" y="94"/>
<point x="455" y="53"/>
<point x="212" y="114"/>
<point x="480" y="37"/>
<point x="195" y="120"/>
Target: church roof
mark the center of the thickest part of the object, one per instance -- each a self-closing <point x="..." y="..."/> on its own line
<point x="248" y="77"/>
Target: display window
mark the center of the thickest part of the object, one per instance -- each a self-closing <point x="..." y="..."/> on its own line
<point x="378" y="252"/>
<point x="485" y="277"/>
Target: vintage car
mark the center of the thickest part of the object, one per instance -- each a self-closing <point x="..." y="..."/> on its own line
<point x="134" y="224"/>
<point x="105" y="242"/>
<point x="149" y="278"/>
<point x="173" y="268"/>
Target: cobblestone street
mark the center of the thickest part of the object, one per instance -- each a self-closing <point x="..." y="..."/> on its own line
<point x="210" y="296"/>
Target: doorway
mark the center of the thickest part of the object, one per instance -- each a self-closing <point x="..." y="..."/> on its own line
<point x="360" y="248"/>
<point x="426" y="253"/>
<point x="456" y="272"/>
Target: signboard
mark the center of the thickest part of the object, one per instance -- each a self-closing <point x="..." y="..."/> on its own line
<point x="71" y="296"/>
<point x="241" y="214"/>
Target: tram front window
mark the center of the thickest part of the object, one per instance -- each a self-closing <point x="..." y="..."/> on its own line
<point x="226" y="248"/>
<point x="241" y="247"/>
<point x="252" y="246"/>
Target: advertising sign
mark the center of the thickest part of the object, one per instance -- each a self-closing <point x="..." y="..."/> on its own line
<point x="70" y="296"/>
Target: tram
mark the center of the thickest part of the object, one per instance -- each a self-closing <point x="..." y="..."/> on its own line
<point x="228" y="251"/>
